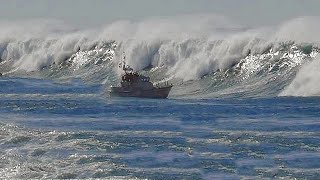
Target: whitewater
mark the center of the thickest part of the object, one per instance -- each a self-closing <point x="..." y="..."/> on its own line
<point x="244" y="102"/>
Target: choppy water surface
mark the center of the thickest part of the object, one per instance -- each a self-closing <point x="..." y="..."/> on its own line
<point x="73" y="130"/>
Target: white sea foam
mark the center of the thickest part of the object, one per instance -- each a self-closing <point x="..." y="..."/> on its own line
<point x="306" y="82"/>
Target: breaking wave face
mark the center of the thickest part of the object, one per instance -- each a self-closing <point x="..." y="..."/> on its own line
<point x="202" y="55"/>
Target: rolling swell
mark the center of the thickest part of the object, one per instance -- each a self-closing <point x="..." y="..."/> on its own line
<point x="201" y="62"/>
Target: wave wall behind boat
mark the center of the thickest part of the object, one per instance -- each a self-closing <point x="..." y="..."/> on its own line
<point x="203" y="55"/>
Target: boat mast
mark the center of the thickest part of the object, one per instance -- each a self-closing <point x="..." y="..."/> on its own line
<point x="125" y="67"/>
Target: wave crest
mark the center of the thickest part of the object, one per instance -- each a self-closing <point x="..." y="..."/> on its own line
<point x="306" y="82"/>
<point x="182" y="49"/>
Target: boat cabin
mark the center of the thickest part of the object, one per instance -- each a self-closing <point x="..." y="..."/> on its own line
<point x="134" y="77"/>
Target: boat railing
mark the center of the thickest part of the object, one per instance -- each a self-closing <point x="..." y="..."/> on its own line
<point x="162" y="84"/>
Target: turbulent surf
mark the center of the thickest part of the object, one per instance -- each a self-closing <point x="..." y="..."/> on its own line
<point x="210" y="58"/>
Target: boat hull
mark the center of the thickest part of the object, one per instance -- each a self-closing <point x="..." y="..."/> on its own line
<point x="162" y="92"/>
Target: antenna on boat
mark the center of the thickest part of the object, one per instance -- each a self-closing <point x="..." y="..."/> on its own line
<point x="125" y="67"/>
<point x="124" y="61"/>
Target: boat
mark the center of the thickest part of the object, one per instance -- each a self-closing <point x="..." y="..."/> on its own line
<point x="135" y="85"/>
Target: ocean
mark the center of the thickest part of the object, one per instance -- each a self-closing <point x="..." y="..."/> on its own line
<point x="244" y="102"/>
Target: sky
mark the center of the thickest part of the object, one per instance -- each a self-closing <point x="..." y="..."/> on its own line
<point x="102" y="12"/>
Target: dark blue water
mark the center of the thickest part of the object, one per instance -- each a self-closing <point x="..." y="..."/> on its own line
<point x="74" y="130"/>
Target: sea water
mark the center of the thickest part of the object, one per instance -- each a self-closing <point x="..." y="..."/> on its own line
<point x="51" y="130"/>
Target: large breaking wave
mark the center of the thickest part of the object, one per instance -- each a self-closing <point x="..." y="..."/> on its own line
<point x="202" y="55"/>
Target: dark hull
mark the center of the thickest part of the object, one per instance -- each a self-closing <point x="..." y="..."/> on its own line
<point x="150" y="93"/>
